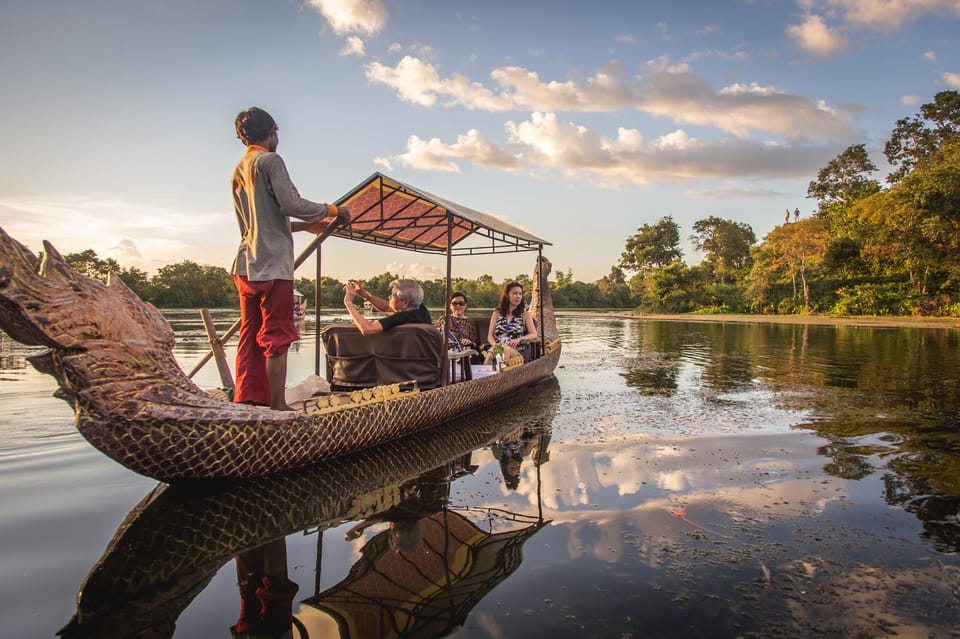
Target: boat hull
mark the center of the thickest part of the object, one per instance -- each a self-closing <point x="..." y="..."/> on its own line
<point x="176" y="449"/>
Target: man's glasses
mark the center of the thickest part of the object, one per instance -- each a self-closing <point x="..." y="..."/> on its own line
<point x="458" y="303"/>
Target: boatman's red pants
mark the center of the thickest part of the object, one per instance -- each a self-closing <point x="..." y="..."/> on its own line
<point x="266" y="330"/>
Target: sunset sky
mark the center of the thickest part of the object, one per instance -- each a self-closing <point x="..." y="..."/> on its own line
<point x="577" y="121"/>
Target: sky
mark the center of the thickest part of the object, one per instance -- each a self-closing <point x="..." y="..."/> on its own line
<point x="576" y="121"/>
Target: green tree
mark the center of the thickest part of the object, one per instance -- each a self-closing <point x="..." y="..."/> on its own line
<point x="577" y="295"/>
<point x="379" y="285"/>
<point x="652" y="247"/>
<point x="613" y="289"/>
<point x="186" y="284"/>
<point x="331" y="290"/>
<point x="675" y="288"/>
<point x="727" y="247"/>
<point x="138" y="282"/>
<point x="434" y="293"/>
<point x="784" y="266"/>
<point x="88" y="263"/>
<point x="915" y="141"/>
<point x="844" y="181"/>
<point x="914" y="229"/>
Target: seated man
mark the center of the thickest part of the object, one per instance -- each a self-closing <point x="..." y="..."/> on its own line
<point x="405" y="306"/>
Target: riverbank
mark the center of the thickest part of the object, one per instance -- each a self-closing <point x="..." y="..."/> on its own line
<point x="816" y="320"/>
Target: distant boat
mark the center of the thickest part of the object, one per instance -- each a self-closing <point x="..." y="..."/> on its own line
<point x="299" y="304"/>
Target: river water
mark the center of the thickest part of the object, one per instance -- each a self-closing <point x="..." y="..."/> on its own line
<point x="676" y="479"/>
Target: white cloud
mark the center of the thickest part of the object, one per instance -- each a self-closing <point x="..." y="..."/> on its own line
<point x="716" y="53"/>
<point x="952" y="80"/>
<point x="365" y="17"/>
<point x="667" y="90"/>
<point x="415" y="270"/>
<point x="418" y="82"/>
<point x="909" y="100"/>
<point x="662" y="28"/>
<point x="733" y="191"/>
<point x="930" y="56"/>
<point x="880" y="15"/>
<point x="435" y="155"/>
<point x="354" y="46"/>
<point x="544" y="144"/>
<point x="105" y="224"/>
<point x="126" y="251"/>
<point x="814" y="36"/>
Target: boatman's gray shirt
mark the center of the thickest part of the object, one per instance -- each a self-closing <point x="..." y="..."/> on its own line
<point x="264" y="200"/>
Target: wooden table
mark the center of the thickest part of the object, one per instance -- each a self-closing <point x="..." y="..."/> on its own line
<point x="460" y="359"/>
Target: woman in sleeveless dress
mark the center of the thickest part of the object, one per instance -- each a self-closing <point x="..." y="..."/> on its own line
<point x="511" y="324"/>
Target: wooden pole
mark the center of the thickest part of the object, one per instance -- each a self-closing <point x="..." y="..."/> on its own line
<point x="216" y="348"/>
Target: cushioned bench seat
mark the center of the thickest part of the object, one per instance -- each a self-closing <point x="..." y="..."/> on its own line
<point x="403" y="353"/>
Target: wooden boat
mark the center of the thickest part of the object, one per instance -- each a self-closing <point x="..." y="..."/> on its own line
<point x="112" y="355"/>
<point x="178" y="537"/>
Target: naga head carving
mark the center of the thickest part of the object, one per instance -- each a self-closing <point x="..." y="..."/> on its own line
<point x="47" y="303"/>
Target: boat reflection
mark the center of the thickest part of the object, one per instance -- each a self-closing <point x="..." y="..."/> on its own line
<point x="419" y="577"/>
<point x="423" y="575"/>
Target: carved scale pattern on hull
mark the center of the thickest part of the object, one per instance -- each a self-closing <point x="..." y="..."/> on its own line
<point x="112" y="355"/>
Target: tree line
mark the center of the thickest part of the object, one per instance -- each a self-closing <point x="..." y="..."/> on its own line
<point x="869" y="249"/>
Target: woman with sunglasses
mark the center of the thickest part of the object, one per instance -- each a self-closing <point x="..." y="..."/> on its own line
<point x="463" y="330"/>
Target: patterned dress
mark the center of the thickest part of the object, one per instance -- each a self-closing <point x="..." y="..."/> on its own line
<point x="505" y="330"/>
<point x="462" y="328"/>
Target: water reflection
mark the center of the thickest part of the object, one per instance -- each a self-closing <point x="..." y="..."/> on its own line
<point x="695" y="480"/>
<point x="423" y="575"/>
<point x="172" y="544"/>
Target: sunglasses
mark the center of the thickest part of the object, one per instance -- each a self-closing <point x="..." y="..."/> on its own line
<point x="458" y="303"/>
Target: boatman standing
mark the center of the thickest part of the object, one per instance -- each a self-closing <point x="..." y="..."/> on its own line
<point x="264" y="200"/>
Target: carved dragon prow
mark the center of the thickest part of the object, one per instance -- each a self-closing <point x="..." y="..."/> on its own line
<point x="542" y="300"/>
<point x="106" y="345"/>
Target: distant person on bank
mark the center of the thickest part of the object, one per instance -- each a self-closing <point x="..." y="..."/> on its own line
<point x="405" y="306"/>
<point x="264" y="200"/>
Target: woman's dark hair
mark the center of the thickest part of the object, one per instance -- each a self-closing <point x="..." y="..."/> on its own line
<point x="254" y="125"/>
<point x="510" y="480"/>
<point x="459" y="294"/>
<point x="504" y="304"/>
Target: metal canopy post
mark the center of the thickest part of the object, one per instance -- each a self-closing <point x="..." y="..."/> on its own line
<point x="448" y="321"/>
<point x="318" y="299"/>
<point x="543" y="340"/>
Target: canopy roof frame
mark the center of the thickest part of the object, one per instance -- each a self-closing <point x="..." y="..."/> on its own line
<point x="385" y="211"/>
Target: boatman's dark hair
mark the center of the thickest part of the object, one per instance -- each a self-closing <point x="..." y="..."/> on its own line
<point x="254" y="125"/>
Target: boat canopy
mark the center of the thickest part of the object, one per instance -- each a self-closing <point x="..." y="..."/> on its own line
<point x="388" y="212"/>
